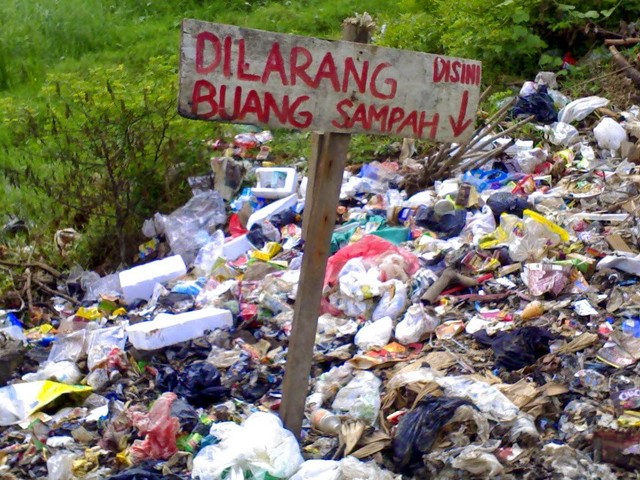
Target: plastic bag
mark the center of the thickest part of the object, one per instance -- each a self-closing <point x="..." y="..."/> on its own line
<point x="506" y="202"/>
<point x="581" y="108"/>
<point x="609" y="134"/>
<point x="517" y="348"/>
<point x="101" y="343"/>
<point x="360" y="398"/>
<point x="349" y="468"/>
<point x="260" y="449"/>
<point x="489" y="400"/>
<point x="199" y="383"/>
<point x="159" y="429"/>
<point x="209" y="253"/>
<point x="139" y="473"/>
<point x="478" y="460"/>
<point x="537" y="103"/>
<point x="447" y="226"/>
<point x="63" y="372"/>
<point x="415" y="324"/>
<point x="376" y="334"/>
<point x="418" y="429"/>
<point x="529" y="159"/>
<point x="479" y="224"/>
<point x="60" y="466"/>
<point x="187" y="228"/>
<point x="393" y="301"/>
<point x="562" y="134"/>
<point x="368" y="247"/>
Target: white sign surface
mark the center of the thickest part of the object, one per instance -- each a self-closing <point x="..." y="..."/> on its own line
<point x="240" y="75"/>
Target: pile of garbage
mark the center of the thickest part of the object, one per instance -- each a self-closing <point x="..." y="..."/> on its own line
<point x="486" y="326"/>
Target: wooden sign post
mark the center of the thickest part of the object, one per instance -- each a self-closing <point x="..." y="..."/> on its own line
<point x="238" y="75"/>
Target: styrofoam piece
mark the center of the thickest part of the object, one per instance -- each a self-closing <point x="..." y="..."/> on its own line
<point x="272" y="209"/>
<point x="167" y="329"/>
<point x="232" y="249"/>
<point x="275" y="182"/>
<point x="138" y="282"/>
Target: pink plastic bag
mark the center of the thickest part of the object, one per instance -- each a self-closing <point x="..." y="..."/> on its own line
<point x="160" y="430"/>
<point x="368" y="247"/>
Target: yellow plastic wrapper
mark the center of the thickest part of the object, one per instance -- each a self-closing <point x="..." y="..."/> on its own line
<point x="20" y="400"/>
<point x="561" y="232"/>
<point x="509" y="224"/>
<point x="269" y="251"/>
<point x="89" y="313"/>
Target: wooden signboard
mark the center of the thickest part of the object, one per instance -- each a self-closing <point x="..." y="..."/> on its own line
<point x="233" y="74"/>
<point x="240" y="75"/>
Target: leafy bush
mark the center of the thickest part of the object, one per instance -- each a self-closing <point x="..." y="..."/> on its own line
<point x="105" y="152"/>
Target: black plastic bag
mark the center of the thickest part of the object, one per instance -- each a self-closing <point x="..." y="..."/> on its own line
<point x="447" y="226"/>
<point x="283" y="219"/>
<point x="539" y="104"/>
<point x="144" y="471"/>
<point x="418" y="429"/>
<point x="186" y="414"/>
<point x="505" y="202"/>
<point x="518" y="348"/>
<point x="256" y="236"/>
<point x="198" y="383"/>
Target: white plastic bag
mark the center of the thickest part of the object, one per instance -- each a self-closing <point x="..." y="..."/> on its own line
<point x="581" y="108"/>
<point x="563" y="134"/>
<point x="609" y="134"/>
<point x="261" y="448"/>
<point x="393" y="301"/>
<point x="208" y="254"/>
<point x="60" y="466"/>
<point x="415" y="324"/>
<point x="487" y="398"/>
<point x="376" y="334"/>
<point x="360" y="398"/>
<point x="63" y="372"/>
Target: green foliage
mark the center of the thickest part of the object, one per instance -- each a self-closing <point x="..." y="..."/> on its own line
<point x="496" y="32"/>
<point x="106" y="151"/>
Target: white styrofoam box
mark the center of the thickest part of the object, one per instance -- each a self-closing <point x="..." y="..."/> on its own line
<point x="272" y="209"/>
<point x="167" y="329"/>
<point x="232" y="249"/>
<point x="138" y="282"/>
<point x="275" y="182"/>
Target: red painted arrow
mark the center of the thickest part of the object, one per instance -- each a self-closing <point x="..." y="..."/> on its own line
<point x="458" y="126"/>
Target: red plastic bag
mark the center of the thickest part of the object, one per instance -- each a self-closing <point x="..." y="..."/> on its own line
<point x="368" y="247"/>
<point x="235" y="226"/>
<point x="160" y="430"/>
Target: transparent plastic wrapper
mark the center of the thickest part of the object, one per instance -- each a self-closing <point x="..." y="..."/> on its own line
<point x="609" y="134"/>
<point x="209" y="253"/>
<point x="159" y="429"/>
<point x="188" y="228"/>
<point x="259" y="449"/>
<point x="478" y="460"/>
<point x="60" y="466"/>
<point x="328" y="384"/>
<point x="415" y="324"/>
<point x="479" y="224"/>
<point x="487" y="398"/>
<point x="70" y="347"/>
<point x="528" y="160"/>
<point x="360" y="398"/>
<point x="63" y="372"/>
<point x="393" y="302"/>
<point x="100" y="344"/>
<point x="581" y="108"/>
<point x="106" y="285"/>
<point x="349" y="468"/>
<point x="538" y="233"/>
<point x="376" y="334"/>
<point x="625" y="262"/>
<point x="562" y="134"/>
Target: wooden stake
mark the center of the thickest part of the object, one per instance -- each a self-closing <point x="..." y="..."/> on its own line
<point x="329" y="155"/>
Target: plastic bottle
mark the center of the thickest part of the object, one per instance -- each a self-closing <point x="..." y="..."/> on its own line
<point x="326" y="422"/>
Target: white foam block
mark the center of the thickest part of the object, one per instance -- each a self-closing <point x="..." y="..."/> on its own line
<point x="272" y="209"/>
<point x="167" y="329"/>
<point x="138" y="282"/>
<point x="232" y="249"/>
